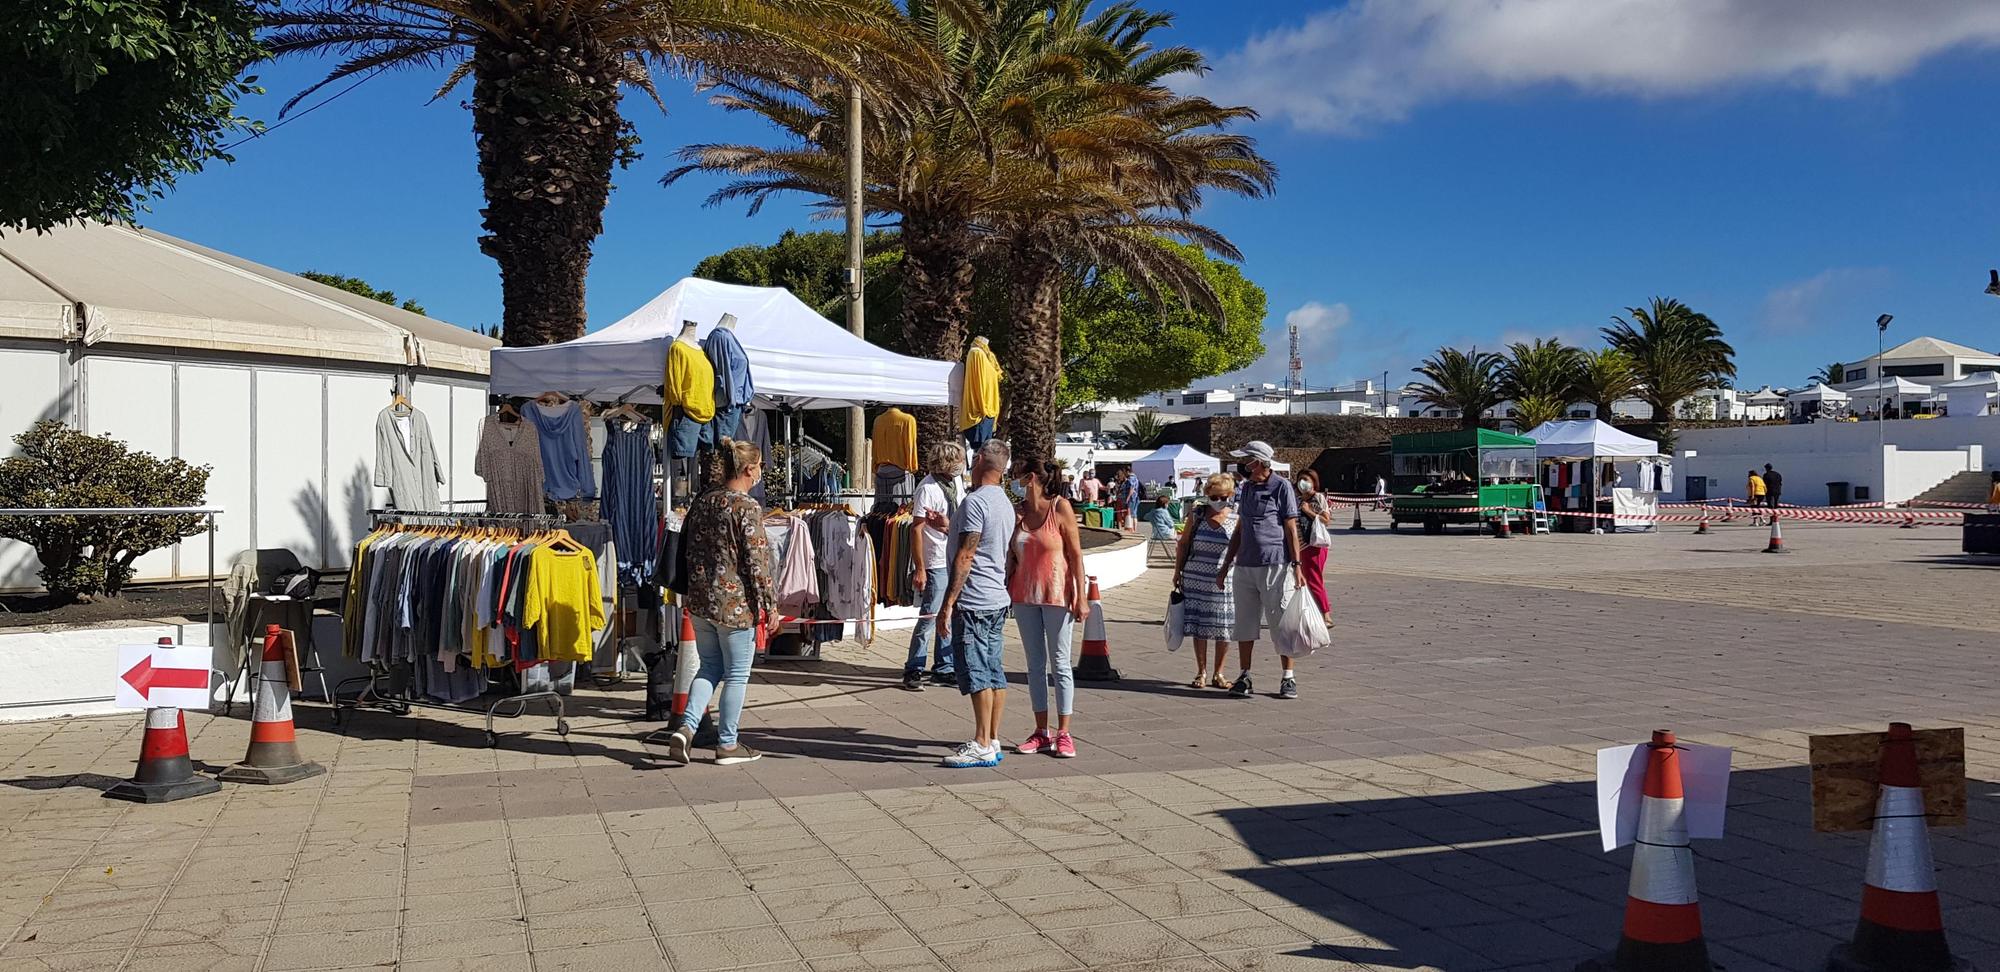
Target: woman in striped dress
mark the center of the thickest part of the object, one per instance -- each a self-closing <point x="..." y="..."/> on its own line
<point x="1208" y="611"/>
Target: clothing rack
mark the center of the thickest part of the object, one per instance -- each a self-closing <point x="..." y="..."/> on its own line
<point x="373" y="693"/>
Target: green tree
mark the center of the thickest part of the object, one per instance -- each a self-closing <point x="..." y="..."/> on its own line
<point x="813" y="266"/>
<point x="547" y="79"/>
<point x="1603" y="377"/>
<point x="1832" y="374"/>
<point x="1675" y="352"/>
<point x="105" y="102"/>
<point x="360" y="287"/>
<point x="1143" y="430"/>
<point x="1466" y="381"/>
<point x="1121" y="343"/>
<point x="1532" y="410"/>
<point x="56" y="467"/>
<point x="1546" y="369"/>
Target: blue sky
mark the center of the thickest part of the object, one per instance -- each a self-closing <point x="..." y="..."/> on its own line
<point x="1451" y="172"/>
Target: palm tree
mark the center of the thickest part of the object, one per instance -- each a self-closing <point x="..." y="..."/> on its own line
<point x="1465" y="381"/>
<point x="1603" y="377"/>
<point x="1675" y="352"/>
<point x="1832" y="374"/>
<point x="1532" y="410"/>
<point x="1546" y="369"/>
<point x="1143" y="430"/>
<point x="547" y="78"/>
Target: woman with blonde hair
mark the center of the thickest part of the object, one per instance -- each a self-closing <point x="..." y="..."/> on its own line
<point x="730" y="593"/>
<point x="1208" y="608"/>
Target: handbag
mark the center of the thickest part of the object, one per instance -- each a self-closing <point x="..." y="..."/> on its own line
<point x="1176" y="620"/>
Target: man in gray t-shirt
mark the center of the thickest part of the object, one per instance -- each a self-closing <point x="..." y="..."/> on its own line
<point x="976" y="602"/>
<point x="1264" y="554"/>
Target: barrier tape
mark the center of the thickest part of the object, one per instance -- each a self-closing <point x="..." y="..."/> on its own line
<point x="1896" y="517"/>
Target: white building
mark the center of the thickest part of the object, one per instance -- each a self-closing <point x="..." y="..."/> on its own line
<point x="1925" y="360"/>
<point x="1908" y="458"/>
<point x="1235" y="401"/>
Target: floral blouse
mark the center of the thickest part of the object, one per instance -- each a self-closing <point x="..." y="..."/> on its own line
<point x="729" y="559"/>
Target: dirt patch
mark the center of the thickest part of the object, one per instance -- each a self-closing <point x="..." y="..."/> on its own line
<point x="166" y="601"/>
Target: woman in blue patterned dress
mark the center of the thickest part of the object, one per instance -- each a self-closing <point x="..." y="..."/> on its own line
<point x="1208" y="611"/>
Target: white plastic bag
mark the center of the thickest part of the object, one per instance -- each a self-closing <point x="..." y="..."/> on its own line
<point x="1301" y="631"/>
<point x="1176" y="620"/>
<point x="1320" y="536"/>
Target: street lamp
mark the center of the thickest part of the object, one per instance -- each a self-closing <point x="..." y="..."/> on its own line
<point x="1881" y="412"/>
<point x="1993" y="282"/>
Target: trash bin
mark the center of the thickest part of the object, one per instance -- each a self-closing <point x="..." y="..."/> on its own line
<point x="1836" y="494"/>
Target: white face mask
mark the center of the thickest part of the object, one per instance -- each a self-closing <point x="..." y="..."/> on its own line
<point x="1220" y="504"/>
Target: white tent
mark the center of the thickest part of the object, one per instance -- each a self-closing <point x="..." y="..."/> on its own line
<point x="1183" y="465"/>
<point x="1817" y="392"/>
<point x="1589" y="439"/>
<point x="1969" y="395"/>
<point x="797" y="357"/>
<point x="1892" y="388"/>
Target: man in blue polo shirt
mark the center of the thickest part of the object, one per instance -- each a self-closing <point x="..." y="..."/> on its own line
<point x="1264" y="552"/>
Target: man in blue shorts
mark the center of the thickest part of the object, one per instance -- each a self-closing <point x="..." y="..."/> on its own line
<point x="976" y="603"/>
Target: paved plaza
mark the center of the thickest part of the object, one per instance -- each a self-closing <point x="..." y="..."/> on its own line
<point x="1427" y="803"/>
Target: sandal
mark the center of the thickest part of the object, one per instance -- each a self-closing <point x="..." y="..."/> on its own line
<point x="1200" y="681"/>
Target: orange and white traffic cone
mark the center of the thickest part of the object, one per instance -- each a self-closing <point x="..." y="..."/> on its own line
<point x="1701" y="529"/>
<point x="1777" y="544"/>
<point x="274" y="742"/>
<point x="1094" y="664"/>
<point x="687" y="661"/>
<point x="165" y="772"/>
<point x="1356" y="526"/>
<point x="1662" y="914"/>
<point x="1501" y="530"/>
<point x="1902" y="924"/>
<point x="1909" y="521"/>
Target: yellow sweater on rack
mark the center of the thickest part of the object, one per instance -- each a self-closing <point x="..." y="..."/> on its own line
<point x="895" y="439"/>
<point x="981" y="398"/>
<point x="690" y="381"/>
<point x="562" y="603"/>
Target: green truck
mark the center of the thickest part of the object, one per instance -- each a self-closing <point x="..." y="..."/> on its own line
<point x="1440" y="478"/>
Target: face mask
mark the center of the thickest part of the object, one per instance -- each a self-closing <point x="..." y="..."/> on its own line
<point x="1305" y="489"/>
<point x="1218" y="502"/>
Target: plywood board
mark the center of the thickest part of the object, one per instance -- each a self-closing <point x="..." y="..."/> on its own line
<point x="1846" y="771"/>
<point x="291" y="650"/>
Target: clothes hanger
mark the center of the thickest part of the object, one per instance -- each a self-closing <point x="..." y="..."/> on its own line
<point x="552" y="398"/>
<point x="508" y="413"/>
<point x="398" y="404"/>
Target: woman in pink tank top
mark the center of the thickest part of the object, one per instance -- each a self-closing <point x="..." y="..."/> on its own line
<point x="1045" y="579"/>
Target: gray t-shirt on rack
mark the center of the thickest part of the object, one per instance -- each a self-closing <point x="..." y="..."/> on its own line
<point x="987" y="512"/>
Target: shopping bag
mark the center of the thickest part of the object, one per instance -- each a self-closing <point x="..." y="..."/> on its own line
<point x="1176" y="619"/>
<point x="1301" y="630"/>
<point x="1320" y="536"/>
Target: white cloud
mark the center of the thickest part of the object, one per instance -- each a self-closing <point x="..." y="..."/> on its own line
<point x="1374" y="61"/>
<point x="1803" y="303"/>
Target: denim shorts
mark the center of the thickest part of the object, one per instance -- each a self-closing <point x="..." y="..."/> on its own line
<point x="976" y="641"/>
<point x="683" y="435"/>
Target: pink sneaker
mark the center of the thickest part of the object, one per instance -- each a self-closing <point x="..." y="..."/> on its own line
<point x="1065" y="747"/>
<point x="1034" y="744"/>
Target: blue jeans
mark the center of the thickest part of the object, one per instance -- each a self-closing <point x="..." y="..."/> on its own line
<point x="977" y="435"/>
<point x="683" y="435"/>
<point x="726" y="654"/>
<point x="1045" y="632"/>
<point x="928" y="632"/>
<point x="976" y="641"/>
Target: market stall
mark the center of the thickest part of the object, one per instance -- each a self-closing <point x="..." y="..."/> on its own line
<point x="1892" y="394"/>
<point x="1451" y="477"/>
<point x="1590" y="466"/>
<point x="1816" y="402"/>
<point x="1973" y="394"/>
<point x="1182" y="465"/>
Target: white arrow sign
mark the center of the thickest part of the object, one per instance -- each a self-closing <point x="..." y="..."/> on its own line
<point x="162" y="677"/>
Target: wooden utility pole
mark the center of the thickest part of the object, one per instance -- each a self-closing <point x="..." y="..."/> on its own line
<point x="857" y="432"/>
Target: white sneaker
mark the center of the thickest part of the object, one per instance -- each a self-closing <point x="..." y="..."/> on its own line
<point x="971" y="754"/>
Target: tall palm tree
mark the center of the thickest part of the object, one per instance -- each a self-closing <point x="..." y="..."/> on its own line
<point x="1546" y="369"/>
<point x="1143" y="430"/>
<point x="547" y="79"/>
<point x="1467" y="381"/>
<point x="1534" y="409"/>
<point x="1605" y="376"/>
<point x="1675" y="351"/>
<point x="1832" y="374"/>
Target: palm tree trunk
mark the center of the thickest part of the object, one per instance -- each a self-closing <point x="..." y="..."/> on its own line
<point x="547" y="126"/>
<point x="937" y="306"/>
<point x="1034" y="349"/>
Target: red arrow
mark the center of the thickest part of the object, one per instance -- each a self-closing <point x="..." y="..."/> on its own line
<point x="143" y="676"/>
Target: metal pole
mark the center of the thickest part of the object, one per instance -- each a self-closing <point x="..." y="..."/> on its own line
<point x="857" y="433"/>
<point x="211" y="579"/>
<point x="1881" y="413"/>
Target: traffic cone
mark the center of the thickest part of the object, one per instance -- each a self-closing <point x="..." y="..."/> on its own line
<point x="1701" y="529"/>
<point x="1094" y="664"/>
<point x="1356" y="526"/>
<point x="1902" y="925"/>
<point x="1662" y="915"/>
<point x="686" y="662"/>
<point x="1501" y="530"/>
<point x="1777" y="544"/>
<point x="1729" y="513"/>
<point x="1909" y="521"/>
<point x="274" y="744"/>
<point x="165" y="772"/>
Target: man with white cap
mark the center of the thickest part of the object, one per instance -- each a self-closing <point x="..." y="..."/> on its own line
<point x="1264" y="551"/>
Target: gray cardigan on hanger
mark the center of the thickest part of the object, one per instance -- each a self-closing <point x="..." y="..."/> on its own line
<point x="408" y="468"/>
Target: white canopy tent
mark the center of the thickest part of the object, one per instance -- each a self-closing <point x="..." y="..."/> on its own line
<point x="1182" y="465"/>
<point x="1971" y="394"/>
<point x="1892" y="390"/>
<point x="1817" y="392"/>
<point x="797" y="357"/>
<point x="1589" y="439"/>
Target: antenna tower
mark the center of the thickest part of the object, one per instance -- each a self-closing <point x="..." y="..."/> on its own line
<point x="1295" y="372"/>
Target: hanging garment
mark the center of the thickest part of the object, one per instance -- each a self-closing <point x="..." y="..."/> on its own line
<point x="756" y="428"/>
<point x="895" y="439"/>
<point x="981" y="396"/>
<point x="407" y="465"/>
<point x="796" y="583"/>
<point x="510" y="461"/>
<point x="628" y="497"/>
<point x="733" y="387"/>
<point x="690" y="384"/>
<point x="566" y="473"/>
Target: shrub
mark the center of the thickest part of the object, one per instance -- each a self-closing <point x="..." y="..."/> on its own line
<point x="84" y="556"/>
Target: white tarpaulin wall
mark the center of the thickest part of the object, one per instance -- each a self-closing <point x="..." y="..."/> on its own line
<point x="1589" y="439"/>
<point x="1969" y="395"/>
<point x="1183" y="465"/>
<point x="797" y="357"/>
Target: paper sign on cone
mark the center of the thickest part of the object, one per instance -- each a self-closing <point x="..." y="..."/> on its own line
<point x="162" y="677"/>
<point x="1621" y="772"/>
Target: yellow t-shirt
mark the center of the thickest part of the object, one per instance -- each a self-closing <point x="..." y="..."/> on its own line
<point x="690" y="381"/>
<point x="1756" y="486"/>
<point x="895" y="439"/>
<point x="562" y="603"/>
<point x="981" y="398"/>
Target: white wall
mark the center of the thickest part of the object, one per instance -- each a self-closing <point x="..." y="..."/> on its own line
<point x="34" y="381"/>
<point x="1925" y="453"/>
<point x="207" y="438"/>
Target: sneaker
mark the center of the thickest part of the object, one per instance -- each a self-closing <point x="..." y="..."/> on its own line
<point x="1034" y="744"/>
<point x="1065" y="746"/>
<point x="1288" y="689"/>
<point x="913" y="681"/>
<point x="679" y="744"/>
<point x="971" y="754"/>
<point x="944" y="678"/>
<point x="738" y="753"/>
<point x="1240" y="690"/>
